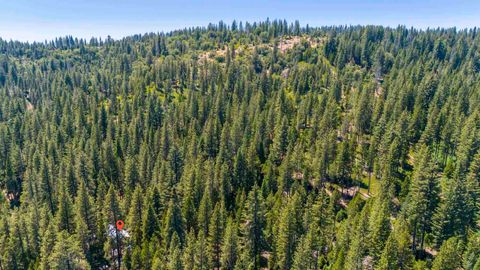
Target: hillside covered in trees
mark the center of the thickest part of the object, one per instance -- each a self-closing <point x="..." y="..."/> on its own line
<point x="245" y="146"/>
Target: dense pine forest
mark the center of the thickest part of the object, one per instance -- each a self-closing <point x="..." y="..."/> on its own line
<point x="267" y="145"/>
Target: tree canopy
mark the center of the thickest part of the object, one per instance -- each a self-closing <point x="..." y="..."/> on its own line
<point x="243" y="146"/>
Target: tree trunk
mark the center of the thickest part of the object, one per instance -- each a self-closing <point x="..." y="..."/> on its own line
<point x="414" y="237"/>
<point x="369" y="181"/>
<point x="422" y="237"/>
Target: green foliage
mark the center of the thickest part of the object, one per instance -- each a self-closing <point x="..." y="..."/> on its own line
<point x="242" y="146"/>
<point x="397" y="253"/>
<point x="67" y="254"/>
<point x="449" y="255"/>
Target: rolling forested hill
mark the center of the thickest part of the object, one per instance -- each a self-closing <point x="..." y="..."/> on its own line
<point x="243" y="146"/>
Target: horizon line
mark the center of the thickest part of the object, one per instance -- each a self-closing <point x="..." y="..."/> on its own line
<point x="228" y="25"/>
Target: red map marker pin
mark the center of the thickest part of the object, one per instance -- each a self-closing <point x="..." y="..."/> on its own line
<point x="120" y="224"/>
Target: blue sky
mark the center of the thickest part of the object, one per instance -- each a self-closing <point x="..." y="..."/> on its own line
<point x="35" y="20"/>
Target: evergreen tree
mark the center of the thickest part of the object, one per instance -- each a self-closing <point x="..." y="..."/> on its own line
<point x="357" y="251"/>
<point x="65" y="213"/>
<point x="279" y="146"/>
<point x="215" y="233"/>
<point x="135" y="216"/>
<point x="201" y="258"/>
<point x="114" y="243"/>
<point x="174" y="258"/>
<point x="305" y="256"/>
<point x="150" y="225"/>
<point x="472" y="252"/>
<point x="172" y="222"/>
<point x="229" y="248"/>
<point x="46" y="248"/>
<point x="286" y="237"/>
<point x="67" y="254"/>
<point x="46" y="186"/>
<point x="397" y="253"/>
<point x="380" y="227"/>
<point x="132" y="177"/>
<point x="449" y="255"/>
<point x="423" y="197"/>
<point x="204" y="211"/>
<point x="454" y="216"/>
<point x="251" y="229"/>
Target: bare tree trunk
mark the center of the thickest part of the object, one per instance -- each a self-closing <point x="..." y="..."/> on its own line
<point x="119" y="252"/>
<point x="369" y="181"/>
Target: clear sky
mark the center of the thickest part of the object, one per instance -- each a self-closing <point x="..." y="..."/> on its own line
<point x="37" y="20"/>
